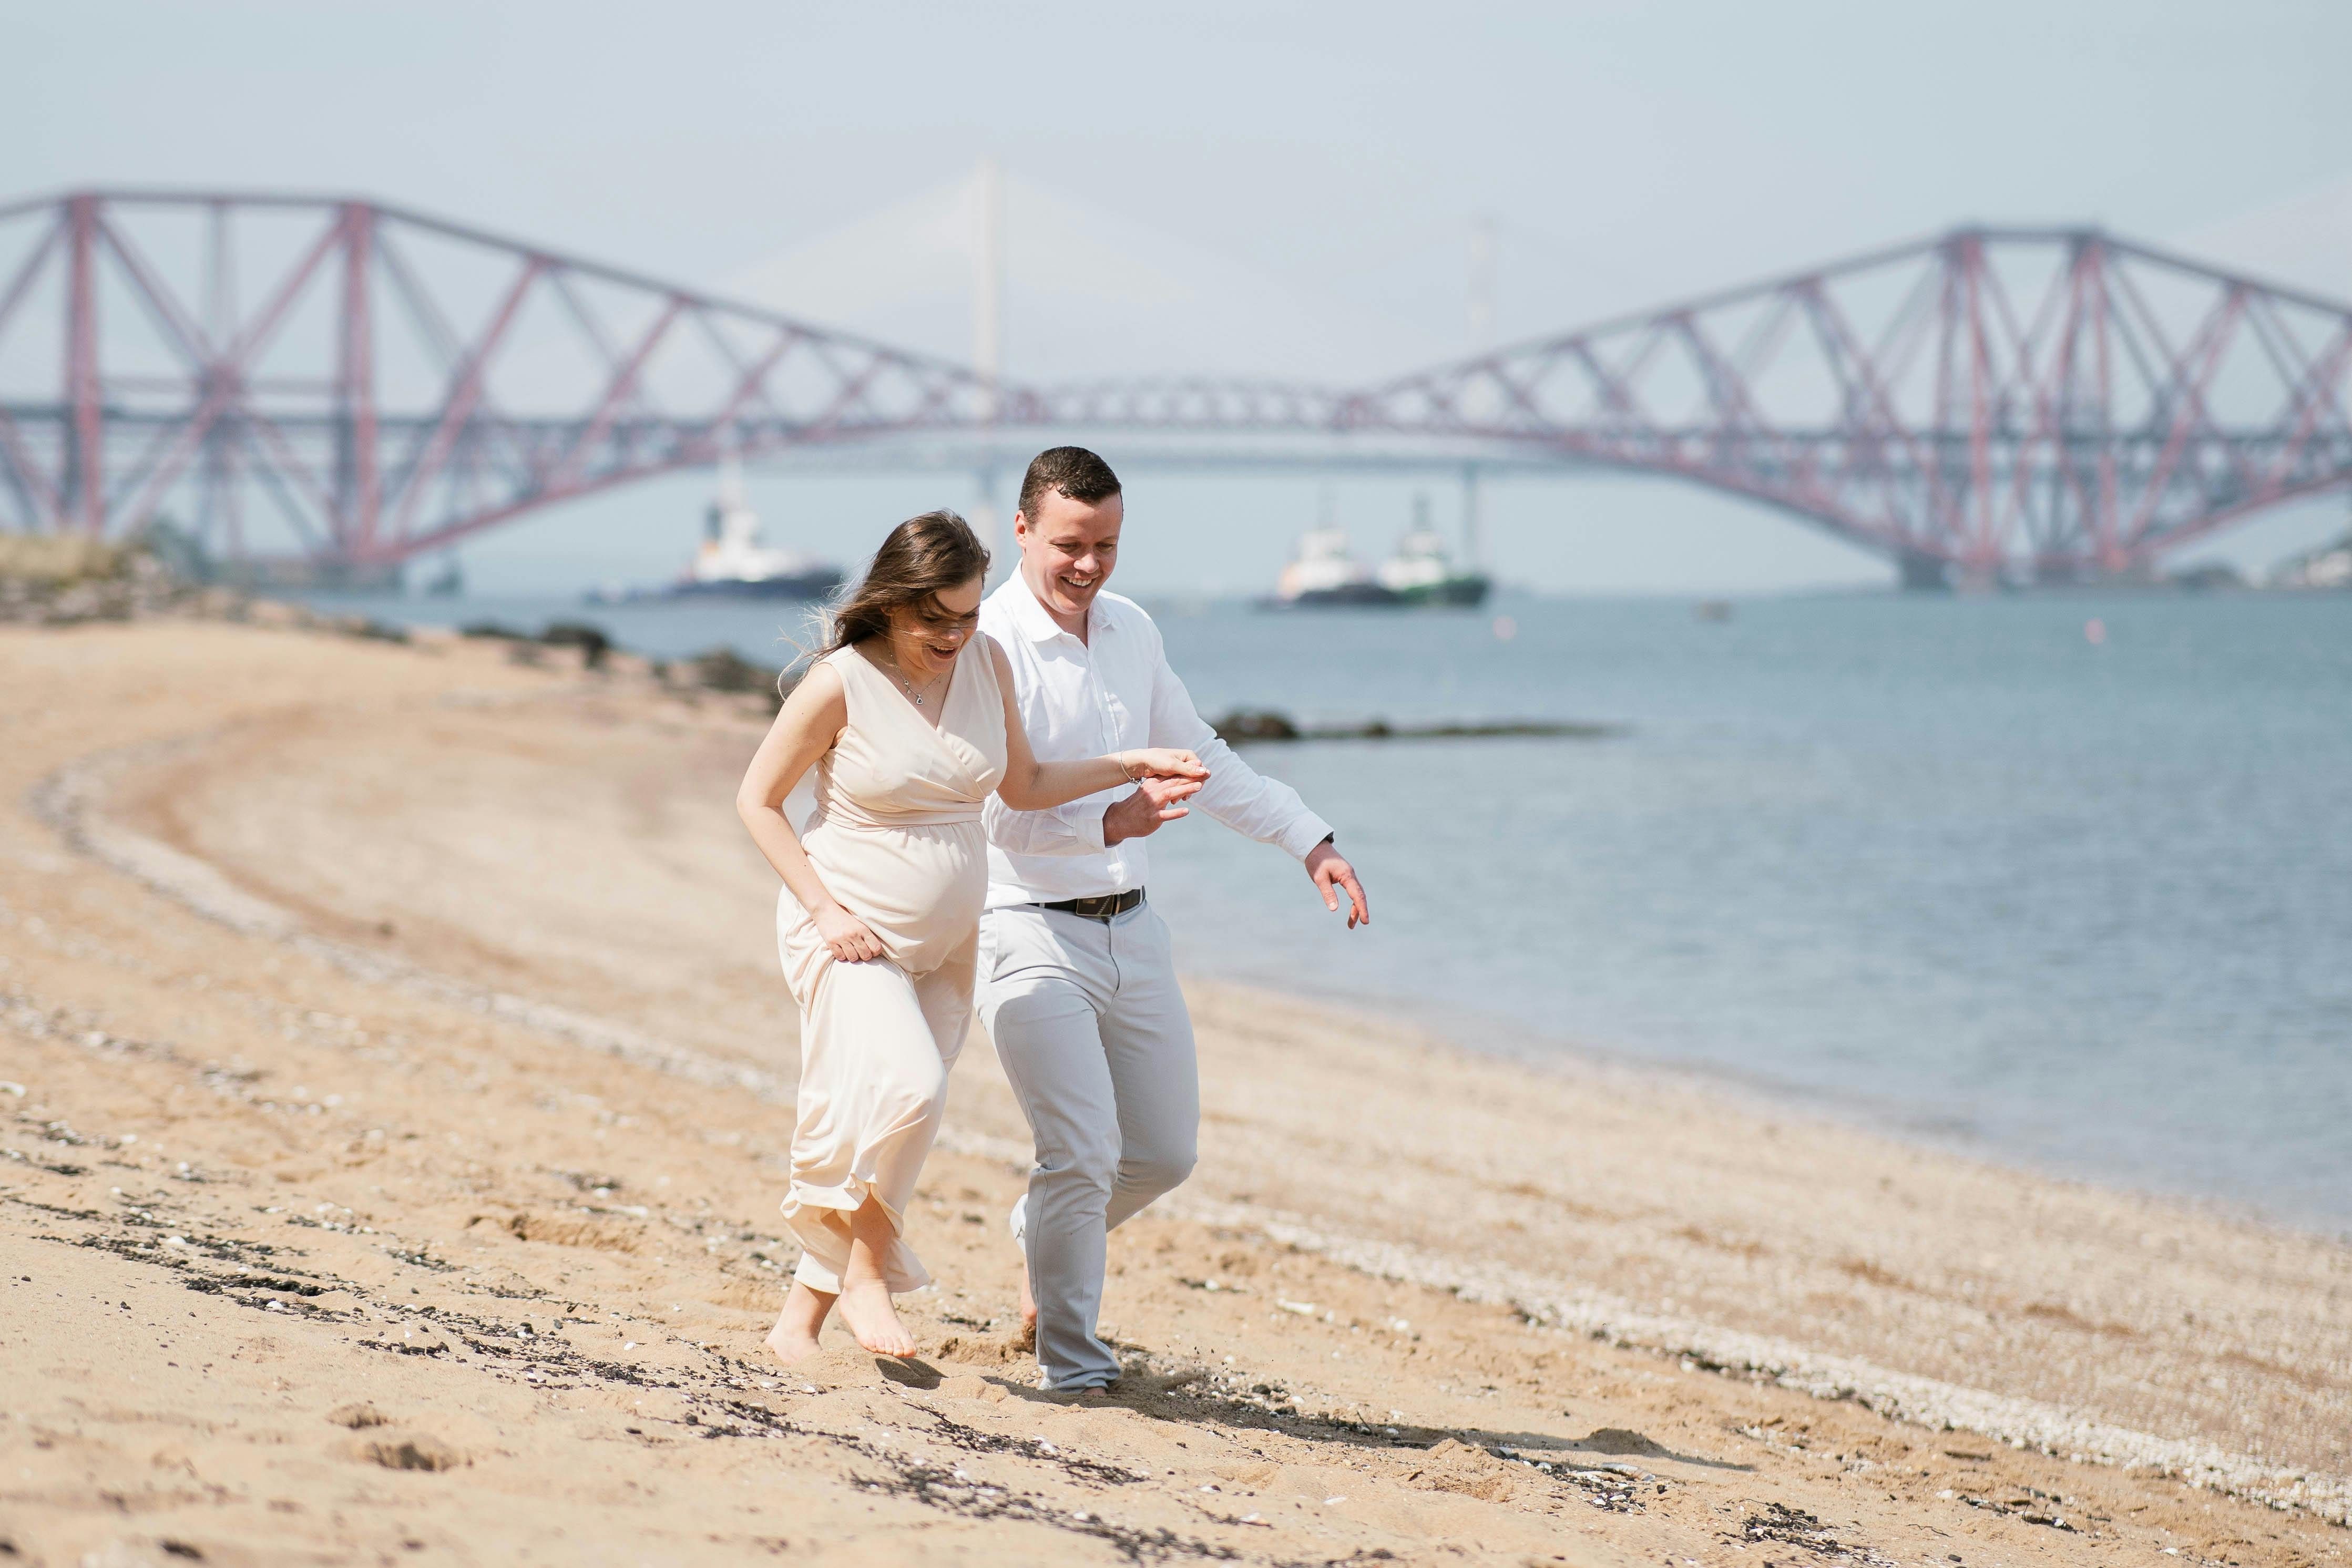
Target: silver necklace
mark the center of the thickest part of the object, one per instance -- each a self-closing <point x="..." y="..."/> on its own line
<point x="899" y="677"/>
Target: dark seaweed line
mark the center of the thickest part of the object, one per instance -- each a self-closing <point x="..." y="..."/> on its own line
<point x="933" y="1486"/>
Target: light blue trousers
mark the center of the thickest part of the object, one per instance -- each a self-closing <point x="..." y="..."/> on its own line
<point x="1091" y="1028"/>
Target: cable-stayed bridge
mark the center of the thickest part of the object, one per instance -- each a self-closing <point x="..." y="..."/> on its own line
<point x="2025" y="405"/>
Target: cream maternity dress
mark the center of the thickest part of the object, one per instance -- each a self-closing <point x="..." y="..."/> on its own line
<point x="897" y="839"/>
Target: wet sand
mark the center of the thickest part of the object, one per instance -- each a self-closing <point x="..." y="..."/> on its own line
<point x="395" y="1082"/>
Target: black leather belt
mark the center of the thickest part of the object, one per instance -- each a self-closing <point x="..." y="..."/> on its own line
<point x="1101" y="908"/>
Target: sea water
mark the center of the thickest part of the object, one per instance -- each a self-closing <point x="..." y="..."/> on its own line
<point x="2064" y="880"/>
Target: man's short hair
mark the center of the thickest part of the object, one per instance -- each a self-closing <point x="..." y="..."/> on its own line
<point x="1072" y="471"/>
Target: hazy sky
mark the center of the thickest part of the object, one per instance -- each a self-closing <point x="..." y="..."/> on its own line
<point x="1632" y="153"/>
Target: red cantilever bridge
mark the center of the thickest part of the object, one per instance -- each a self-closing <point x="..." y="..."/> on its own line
<point x="1988" y="404"/>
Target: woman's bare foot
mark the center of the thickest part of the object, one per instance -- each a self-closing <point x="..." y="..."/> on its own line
<point x="791" y="1347"/>
<point x="794" y="1338"/>
<point x="867" y="1313"/>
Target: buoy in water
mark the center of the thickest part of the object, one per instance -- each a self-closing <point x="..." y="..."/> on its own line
<point x="1504" y="627"/>
<point x="2094" y="632"/>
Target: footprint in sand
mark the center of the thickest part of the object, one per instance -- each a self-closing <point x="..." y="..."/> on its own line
<point x="970" y="1388"/>
<point x="395" y="1451"/>
<point x="410" y="1451"/>
<point x="1620" y="1441"/>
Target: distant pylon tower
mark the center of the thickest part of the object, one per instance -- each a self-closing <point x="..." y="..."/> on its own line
<point x="988" y="278"/>
<point x="988" y="341"/>
<point x="1482" y="284"/>
<point x="1482" y="341"/>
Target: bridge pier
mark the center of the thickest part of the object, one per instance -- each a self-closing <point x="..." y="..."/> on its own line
<point x="2062" y="571"/>
<point x="995" y="530"/>
<point x="296" y="573"/>
<point x="1473" y="545"/>
<point x="1923" y="573"/>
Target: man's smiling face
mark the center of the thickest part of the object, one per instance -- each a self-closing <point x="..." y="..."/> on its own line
<point x="1067" y="551"/>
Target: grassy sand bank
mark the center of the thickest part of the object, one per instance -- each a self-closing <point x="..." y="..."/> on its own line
<point x="394" y="1078"/>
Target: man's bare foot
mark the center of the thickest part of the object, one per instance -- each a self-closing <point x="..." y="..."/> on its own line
<point x="794" y="1338"/>
<point x="867" y="1313"/>
<point x="1028" y="1338"/>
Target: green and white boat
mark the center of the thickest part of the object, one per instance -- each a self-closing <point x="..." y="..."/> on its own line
<point x="1422" y="571"/>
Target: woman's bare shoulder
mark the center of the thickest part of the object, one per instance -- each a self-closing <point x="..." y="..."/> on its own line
<point x="818" y="695"/>
<point x="824" y="677"/>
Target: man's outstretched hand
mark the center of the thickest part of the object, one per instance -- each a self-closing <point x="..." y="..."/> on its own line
<point x="1155" y="802"/>
<point x="1332" y="873"/>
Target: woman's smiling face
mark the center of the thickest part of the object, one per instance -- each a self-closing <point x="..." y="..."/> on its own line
<point x="927" y="635"/>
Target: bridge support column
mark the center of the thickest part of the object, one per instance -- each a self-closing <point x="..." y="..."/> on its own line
<point x="83" y="500"/>
<point x="359" y="495"/>
<point x="994" y="528"/>
<point x="1923" y="573"/>
<point x="1474" y="547"/>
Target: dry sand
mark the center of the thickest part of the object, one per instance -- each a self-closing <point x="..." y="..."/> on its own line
<point x="396" y="1093"/>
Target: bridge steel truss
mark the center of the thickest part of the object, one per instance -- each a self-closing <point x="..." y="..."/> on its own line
<point x="1987" y="404"/>
<point x="2018" y="403"/>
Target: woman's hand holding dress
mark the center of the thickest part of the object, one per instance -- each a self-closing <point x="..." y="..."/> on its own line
<point x="848" y="938"/>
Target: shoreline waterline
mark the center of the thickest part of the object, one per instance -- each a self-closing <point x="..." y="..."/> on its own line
<point x="1945" y="863"/>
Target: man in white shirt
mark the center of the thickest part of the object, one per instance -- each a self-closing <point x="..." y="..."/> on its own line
<point x="1076" y="986"/>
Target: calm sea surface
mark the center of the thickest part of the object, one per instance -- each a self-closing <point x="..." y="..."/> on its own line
<point x="1945" y="866"/>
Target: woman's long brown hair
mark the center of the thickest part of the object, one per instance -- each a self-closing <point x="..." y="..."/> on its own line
<point x="922" y="556"/>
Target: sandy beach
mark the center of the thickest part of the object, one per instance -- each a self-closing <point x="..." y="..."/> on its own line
<point x="394" y="1090"/>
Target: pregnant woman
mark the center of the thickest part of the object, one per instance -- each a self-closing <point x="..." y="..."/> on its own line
<point x="909" y="720"/>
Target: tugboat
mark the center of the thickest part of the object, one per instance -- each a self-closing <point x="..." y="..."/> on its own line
<point x="1422" y="571"/>
<point x="1323" y="574"/>
<point x="733" y="564"/>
